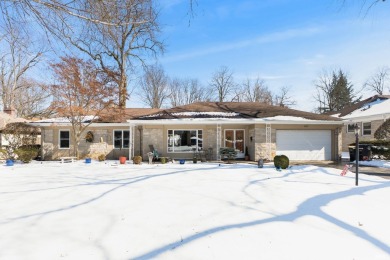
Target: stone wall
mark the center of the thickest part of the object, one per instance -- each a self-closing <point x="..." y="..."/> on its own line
<point x="261" y="146"/>
<point x="155" y="137"/>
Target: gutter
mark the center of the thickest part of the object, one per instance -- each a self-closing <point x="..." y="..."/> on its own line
<point x="220" y="121"/>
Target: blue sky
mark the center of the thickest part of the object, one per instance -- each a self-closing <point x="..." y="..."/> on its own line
<point x="285" y="42"/>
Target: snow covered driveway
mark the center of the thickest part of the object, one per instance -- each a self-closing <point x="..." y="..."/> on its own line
<point x="191" y="211"/>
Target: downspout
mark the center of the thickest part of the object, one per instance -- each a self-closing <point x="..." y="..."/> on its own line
<point x="130" y="141"/>
<point x="141" y="130"/>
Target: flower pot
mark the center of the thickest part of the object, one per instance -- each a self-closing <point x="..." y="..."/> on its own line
<point x="122" y="159"/>
<point x="182" y="161"/>
<point x="88" y="160"/>
<point x="9" y="162"/>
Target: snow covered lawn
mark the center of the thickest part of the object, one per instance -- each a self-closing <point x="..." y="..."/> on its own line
<point x="190" y="211"/>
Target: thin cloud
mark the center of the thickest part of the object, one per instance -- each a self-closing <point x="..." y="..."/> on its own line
<point x="269" y="38"/>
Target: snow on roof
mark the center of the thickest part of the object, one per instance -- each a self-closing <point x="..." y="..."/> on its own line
<point x="64" y="120"/>
<point x="376" y="107"/>
<point x="194" y="114"/>
<point x="286" y="118"/>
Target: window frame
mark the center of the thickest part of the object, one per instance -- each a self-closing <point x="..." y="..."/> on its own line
<point x="122" y="139"/>
<point x="351" y="128"/>
<point x="235" y="138"/>
<point x="199" y="135"/>
<point x="60" y="139"/>
<point x="363" y="133"/>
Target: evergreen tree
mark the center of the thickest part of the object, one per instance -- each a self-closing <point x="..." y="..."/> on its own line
<point x="335" y="92"/>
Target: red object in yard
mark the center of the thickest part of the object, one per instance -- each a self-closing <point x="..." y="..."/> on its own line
<point x="122" y="159"/>
<point x="346" y="169"/>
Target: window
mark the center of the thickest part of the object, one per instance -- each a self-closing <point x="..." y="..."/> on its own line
<point x="121" y="139"/>
<point x="367" y="128"/>
<point x="235" y="139"/>
<point x="184" y="141"/>
<point x="351" y="128"/>
<point x="64" y="139"/>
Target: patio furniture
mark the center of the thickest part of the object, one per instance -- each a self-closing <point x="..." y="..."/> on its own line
<point x="68" y="159"/>
<point x="155" y="153"/>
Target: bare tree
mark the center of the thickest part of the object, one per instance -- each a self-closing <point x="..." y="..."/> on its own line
<point x="379" y="81"/>
<point x="222" y="83"/>
<point x="119" y="47"/>
<point x="154" y="86"/>
<point x="256" y="91"/>
<point x="81" y="94"/>
<point x="16" y="60"/>
<point x="41" y="10"/>
<point x="33" y="99"/>
<point x="185" y="91"/>
<point x="117" y="34"/>
<point x="283" y="98"/>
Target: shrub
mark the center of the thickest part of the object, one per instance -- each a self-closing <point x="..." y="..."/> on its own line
<point x="281" y="161"/>
<point x="228" y="152"/>
<point x="26" y="154"/>
<point x="101" y="157"/>
<point x="379" y="148"/>
<point x="383" y="132"/>
<point x="137" y="159"/>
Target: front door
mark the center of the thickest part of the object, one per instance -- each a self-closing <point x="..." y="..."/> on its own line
<point x="234" y="138"/>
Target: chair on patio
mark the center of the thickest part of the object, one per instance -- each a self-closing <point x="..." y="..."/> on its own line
<point x="156" y="156"/>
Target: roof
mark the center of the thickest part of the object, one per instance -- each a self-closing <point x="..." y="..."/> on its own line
<point x="207" y="113"/>
<point x="6" y="118"/>
<point x="373" y="106"/>
<point x="117" y="115"/>
<point x="233" y="110"/>
<point x="110" y="116"/>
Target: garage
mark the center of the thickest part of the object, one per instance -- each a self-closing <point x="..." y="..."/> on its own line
<point x="304" y="145"/>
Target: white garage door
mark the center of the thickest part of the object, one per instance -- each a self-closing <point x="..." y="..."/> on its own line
<point x="304" y="144"/>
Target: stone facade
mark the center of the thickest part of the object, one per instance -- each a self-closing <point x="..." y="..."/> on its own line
<point x="157" y="135"/>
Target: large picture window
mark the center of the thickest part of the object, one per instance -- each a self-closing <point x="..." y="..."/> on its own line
<point x="185" y="141"/>
<point x="64" y="139"/>
<point x="121" y="139"/>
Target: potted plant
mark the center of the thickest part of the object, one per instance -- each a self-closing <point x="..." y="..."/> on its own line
<point x="9" y="155"/>
<point x="101" y="157"/>
<point x="137" y="159"/>
<point x="247" y="157"/>
<point x="122" y="159"/>
<point x="163" y="160"/>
